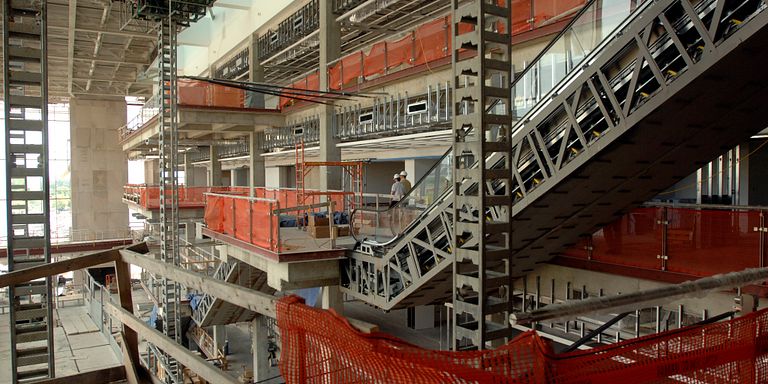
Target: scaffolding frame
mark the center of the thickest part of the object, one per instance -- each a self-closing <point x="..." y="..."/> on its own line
<point x="352" y="169"/>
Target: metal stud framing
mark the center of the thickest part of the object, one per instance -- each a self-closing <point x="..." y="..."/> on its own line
<point x="482" y="213"/>
<point x="28" y="218"/>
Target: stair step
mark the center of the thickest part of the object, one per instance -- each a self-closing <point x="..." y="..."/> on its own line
<point x="24" y="54"/>
<point x="31" y="356"/>
<point x="32" y="375"/>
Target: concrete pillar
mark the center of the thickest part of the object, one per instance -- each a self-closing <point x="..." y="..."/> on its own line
<point x="189" y="173"/>
<point x="257" y="177"/>
<point x="151" y="172"/>
<point x="330" y="49"/>
<point x="99" y="167"/>
<point x="421" y="317"/>
<point x="214" y="171"/>
<point x="255" y="74"/>
<point x="219" y="335"/>
<point x="262" y="345"/>
<point x="333" y="299"/>
<point x="417" y="168"/>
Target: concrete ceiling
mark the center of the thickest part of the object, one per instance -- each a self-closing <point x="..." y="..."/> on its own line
<point x="96" y="49"/>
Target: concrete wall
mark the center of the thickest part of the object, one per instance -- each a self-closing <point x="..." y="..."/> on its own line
<point x="99" y="165"/>
<point x="378" y="175"/>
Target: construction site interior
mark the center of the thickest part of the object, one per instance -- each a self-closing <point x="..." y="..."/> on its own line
<point x="384" y="191"/>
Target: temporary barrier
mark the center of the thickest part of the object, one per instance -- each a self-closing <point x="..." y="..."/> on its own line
<point x="246" y="219"/>
<point x="683" y="240"/>
<point x="429" y="42"/>
<point x="319" y="346"/>
<point x="195" y="93"/>
<point x="254" y="219"/>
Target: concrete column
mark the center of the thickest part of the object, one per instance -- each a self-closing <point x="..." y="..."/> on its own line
<point x="417" y="168"/>
<point x="257" y="176"/>
<point x="264" y="361"/>
<point x="219" y="335"/>
<point x="255" y="74"/>
<point x="99" y="167"/>
<point x="330" y="49"/>
<point x="421" y="317"/>
<point x="189" y="173"/>
<point x="214" y="171"/>
<point x="333" y="299"/>
<point x="151" y="172"/>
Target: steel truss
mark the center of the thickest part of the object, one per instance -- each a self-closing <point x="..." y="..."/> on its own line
<point x="25" y="91"/>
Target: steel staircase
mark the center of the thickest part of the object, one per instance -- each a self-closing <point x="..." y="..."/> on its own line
<point x="25" y="93"/>
<point x="664" y="93"/>
<point x="215" y="311"/>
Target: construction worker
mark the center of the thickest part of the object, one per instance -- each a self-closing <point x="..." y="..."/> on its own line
<point x="396" y="191"/>
<point x="406" y="184"/>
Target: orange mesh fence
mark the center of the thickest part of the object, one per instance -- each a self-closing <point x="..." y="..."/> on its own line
<point x="546" y="12"/>
<point x="521" y="15"/>
<point x="247" y="220"/>
<point x="319" y="346"/>
<point x="429" y="42"/>
<point x="193" y="92"/>
<point x="432" y="41"/>
<point x="375" y="60"/>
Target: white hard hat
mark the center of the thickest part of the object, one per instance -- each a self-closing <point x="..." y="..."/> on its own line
<point x="403" y="173"/>
<point x="395" y="176"/>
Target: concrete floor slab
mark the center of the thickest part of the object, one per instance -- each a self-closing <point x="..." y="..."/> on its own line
<point x="90" y="359"/>
<point x="87" y="340"/>
<point x="75" y="320"/>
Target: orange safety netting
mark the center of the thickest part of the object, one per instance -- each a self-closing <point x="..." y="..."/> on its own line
<point x="429" y="42"/>
<point x="693" y="240"/>
<point x="204" y="94"/>
<point x="319" y="346"/>
<point x="248" y="220"/>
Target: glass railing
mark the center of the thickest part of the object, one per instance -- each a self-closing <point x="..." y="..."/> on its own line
<point x="381" y="220"/>
<point x="695" y="240"/>
<point x="587" y="32"/>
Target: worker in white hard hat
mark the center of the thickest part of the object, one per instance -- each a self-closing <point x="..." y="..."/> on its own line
<point x="403" y="179"/>
<point x="397" y="190"/>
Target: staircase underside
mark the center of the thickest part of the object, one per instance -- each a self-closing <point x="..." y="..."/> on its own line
<point x="715" y="111"/>
<point x="223" y="312"/>
<point x="712" y="106"/>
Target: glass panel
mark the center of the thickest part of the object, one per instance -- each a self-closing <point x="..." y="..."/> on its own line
<point x="378" y="222"/>
<point x="595" y="24"/>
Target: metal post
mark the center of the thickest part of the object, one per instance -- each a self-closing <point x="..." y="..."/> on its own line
<point x="25" y="89"/>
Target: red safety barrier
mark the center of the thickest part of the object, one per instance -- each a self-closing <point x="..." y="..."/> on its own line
<point x="431" y="41"/>
<point x="203" y="94"/>
<point x="319" y="346"/>
<point x="688" y="241"/>
<point x="245" y="219"/>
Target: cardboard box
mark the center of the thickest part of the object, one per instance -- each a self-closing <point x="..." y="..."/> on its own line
<point x="320" y="232"/>
<point x="342" y="230"/>
<point x="316" y="221"/>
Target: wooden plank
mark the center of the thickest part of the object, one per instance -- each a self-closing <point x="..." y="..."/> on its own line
<point x="130" y="339"/>
<point x="255" y="301"/>
<point x="177" y="351"/>
<point x="89" y="260"/>
<point x="106" y="375"/>
<point x="131" y="372"/>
